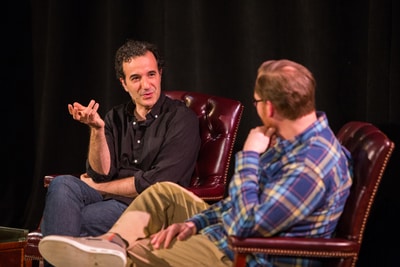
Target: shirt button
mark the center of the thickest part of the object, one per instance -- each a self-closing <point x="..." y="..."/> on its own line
<point x="134" y="123"/>
<point x="138" y="141"/>
<point x="135" y="161"/>
<point x="156" y="116"/>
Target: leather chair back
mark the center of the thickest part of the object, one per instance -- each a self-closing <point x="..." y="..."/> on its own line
<point x="370" y="149"/>
<point x="219" y="119"/>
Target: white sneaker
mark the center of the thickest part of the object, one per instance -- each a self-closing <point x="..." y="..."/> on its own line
<point x="65" y="251"/>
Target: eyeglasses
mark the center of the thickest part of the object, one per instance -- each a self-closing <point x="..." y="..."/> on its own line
<point x="255" y="101"/>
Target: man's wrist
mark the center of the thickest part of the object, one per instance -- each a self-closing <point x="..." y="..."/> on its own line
<point x="192" y="227"/>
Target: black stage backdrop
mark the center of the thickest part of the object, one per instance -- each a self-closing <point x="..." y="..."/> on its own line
<point x="58" y="52"/>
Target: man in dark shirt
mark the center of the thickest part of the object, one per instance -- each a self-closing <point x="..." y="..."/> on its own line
<point x="150" y="139"/>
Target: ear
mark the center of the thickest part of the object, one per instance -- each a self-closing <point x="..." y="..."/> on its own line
<point x="123" y="84"/>
<point x="270" y="109"/>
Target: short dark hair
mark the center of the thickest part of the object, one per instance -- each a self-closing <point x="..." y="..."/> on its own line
<point x="131" y="49"/>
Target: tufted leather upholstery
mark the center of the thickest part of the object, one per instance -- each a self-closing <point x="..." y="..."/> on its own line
<point x="219" y="120"/>
<point x="371" y="150"/>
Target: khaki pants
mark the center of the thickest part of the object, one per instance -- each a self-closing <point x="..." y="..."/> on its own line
<point x="155" y="208"/>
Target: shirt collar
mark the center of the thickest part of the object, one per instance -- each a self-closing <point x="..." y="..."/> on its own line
<point x="154" y="112"/>
<point x="318" y="126"/>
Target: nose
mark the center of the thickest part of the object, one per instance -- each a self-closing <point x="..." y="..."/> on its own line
<point x="145" y="83"/>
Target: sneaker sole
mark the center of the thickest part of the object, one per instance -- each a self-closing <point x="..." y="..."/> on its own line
<point x="66" y="252"/>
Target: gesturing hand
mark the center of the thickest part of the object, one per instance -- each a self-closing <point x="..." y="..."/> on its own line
<point x="87" y="115"/>
<point x="181" y="231"/>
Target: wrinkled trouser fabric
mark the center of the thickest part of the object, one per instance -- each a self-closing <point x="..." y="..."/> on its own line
<point x="155" y="208"/>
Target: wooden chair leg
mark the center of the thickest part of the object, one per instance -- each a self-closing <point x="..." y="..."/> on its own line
<point x="33" y="263"/>
<point x="28" y="263"/>
<point x="240" y="260"/>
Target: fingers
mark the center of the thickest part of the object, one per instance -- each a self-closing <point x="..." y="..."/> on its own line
<point x="165" y="237"/>
<point x="82" y="113"/>
<point x="157" y="239"/>
<point x="168" y="237"/>
<point x="90" y="110"/>
<point x="160" y="238"/>
<point x="187" y="232"/>
<point x="270" y="131"/>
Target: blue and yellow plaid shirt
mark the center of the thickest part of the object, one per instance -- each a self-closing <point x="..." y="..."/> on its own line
<point x="296" y="188"/>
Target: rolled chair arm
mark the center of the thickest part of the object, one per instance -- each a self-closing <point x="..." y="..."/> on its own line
<point x="302" y="247"/>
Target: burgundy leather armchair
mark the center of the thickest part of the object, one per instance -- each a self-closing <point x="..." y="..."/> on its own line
<point x="219" y="119"/>
<point x="371" y="150"/>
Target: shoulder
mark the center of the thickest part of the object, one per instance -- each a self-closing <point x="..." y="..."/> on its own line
<point x="178" y="107"/>
<point x="174" y="103"/>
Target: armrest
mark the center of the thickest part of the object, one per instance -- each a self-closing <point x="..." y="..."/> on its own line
<point x="295" y="246"/>
<point x="47" y="179"/>
<point x="213" y="192"/>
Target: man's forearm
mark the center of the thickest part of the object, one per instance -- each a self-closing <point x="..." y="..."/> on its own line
<point x="121" y="187"/>
<point x="99" y="154"/>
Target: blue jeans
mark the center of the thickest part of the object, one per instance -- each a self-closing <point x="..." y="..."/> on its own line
<point x="75" y="209"/>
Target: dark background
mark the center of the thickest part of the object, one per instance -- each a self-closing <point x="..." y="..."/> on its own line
<point x="58" y="52"/>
